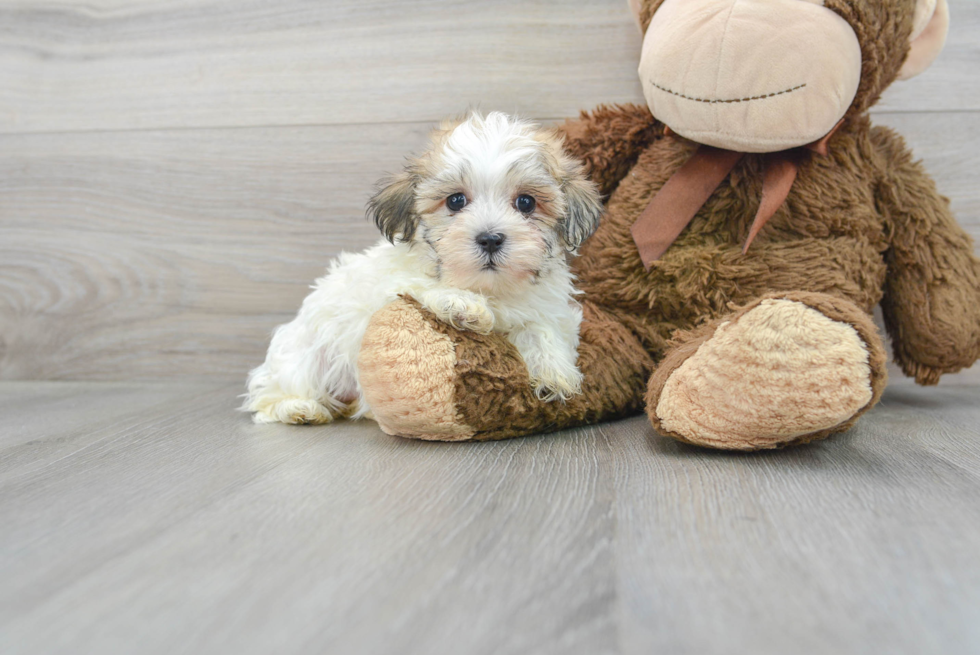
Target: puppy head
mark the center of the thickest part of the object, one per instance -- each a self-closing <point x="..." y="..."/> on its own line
<point x="495" y="201"/>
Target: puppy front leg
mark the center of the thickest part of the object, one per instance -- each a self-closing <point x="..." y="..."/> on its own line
<point x="550" y="357"/>
<point x="462" y="309"/>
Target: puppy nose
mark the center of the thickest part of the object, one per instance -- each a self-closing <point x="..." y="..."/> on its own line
<point x="490" y="243"/>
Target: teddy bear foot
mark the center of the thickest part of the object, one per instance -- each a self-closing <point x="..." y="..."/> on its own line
<point x="783" y="370"/>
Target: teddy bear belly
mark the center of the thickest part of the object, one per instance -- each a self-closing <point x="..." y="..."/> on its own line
<point x="697" y="280"/>
<point x="827" y="237"/>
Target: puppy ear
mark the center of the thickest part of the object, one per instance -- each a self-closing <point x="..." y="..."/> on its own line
<point x="393" y="207"/>
<point x="584" y="209"/>
<point x="583" y="204"/>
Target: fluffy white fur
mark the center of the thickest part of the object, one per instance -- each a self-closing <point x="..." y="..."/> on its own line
<point x="524" y="290"/>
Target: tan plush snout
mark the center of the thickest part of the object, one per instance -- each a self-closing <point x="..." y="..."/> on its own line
<point x="749" y="75"/>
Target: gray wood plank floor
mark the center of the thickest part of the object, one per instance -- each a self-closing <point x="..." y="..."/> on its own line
<point x="156" y="255"/>
<point x="173" y="174"/>
<point x="122" y="64"/>
<point x="152" y="518"/>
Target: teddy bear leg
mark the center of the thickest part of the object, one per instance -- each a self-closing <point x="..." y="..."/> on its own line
<point x="426" y="380"/>
<point x="785" y="369"/>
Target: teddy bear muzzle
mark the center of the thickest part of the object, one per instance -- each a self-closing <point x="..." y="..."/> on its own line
<point x="757" y="76"/>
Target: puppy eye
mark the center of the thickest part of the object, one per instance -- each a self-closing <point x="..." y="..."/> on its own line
<point x="456" y="202"/>
<point x="525" y="204"/>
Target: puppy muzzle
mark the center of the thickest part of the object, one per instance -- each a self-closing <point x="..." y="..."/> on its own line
<point x="490" y="242"/>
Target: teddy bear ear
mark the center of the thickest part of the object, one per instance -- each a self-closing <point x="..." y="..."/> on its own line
<point x="635" y="7"/>
<point x="928" y="36"/>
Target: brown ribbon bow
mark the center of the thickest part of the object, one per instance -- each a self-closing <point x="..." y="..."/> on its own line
<point x="677" y="202"/>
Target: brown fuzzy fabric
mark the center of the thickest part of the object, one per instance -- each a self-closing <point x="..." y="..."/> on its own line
<point x="932" y="292"/>
<point x="609" y="139"/>
<point x="494" y="396"/>
<point x="861" y="226"/>
<point x="883" y="30"/>
<point x="865" y="224"/>
<point x="828" y="237"/>
<point x="647" y="9"/>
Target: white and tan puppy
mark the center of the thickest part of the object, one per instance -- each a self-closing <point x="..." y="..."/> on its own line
<point x="477" y="230"/>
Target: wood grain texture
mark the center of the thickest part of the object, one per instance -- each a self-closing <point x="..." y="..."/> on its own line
<point x="129" y="253"/>
<point x="184" y="527"/>
<point x="950" y="83"/>
<point x="152" y="518"/>
<point x="173" y="174"/>
<point x="830" y="549"/>
<point x="108" y="65"/>
<point x="114" y="64"/>
<point x="133" y="255"/>
<point x="172" y="254"/>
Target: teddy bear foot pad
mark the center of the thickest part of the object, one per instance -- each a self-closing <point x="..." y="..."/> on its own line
<point x="777" y="372"/>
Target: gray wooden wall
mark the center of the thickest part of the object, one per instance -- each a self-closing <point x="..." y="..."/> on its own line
<point x="173" y="174"/>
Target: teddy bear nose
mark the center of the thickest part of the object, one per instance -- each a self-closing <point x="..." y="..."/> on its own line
<point x="490" y="243"/>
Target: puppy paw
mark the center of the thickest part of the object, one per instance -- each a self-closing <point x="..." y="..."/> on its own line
<point x="553" y="384"/>
<point x="463" y="311"/>
<point x="476" y="318"/>
<point x="294" y="411"/>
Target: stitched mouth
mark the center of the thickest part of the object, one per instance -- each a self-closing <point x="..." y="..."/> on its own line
<point x="716" y="101"/>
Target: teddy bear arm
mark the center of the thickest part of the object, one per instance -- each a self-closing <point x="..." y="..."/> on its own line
<point x="931" y="304"/>
<point x="609" y="140"/>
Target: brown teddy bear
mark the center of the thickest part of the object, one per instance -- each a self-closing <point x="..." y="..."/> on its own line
<point x="754" y="220"/>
